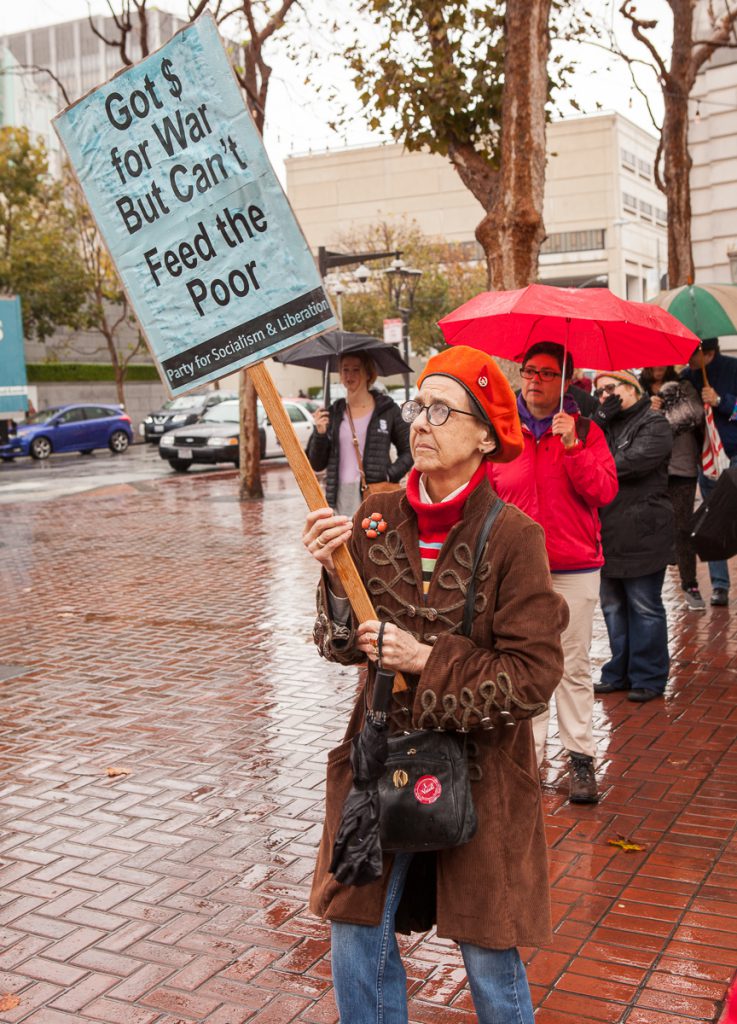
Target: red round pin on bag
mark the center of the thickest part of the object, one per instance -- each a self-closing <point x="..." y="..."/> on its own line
<point x="427" y="789"/>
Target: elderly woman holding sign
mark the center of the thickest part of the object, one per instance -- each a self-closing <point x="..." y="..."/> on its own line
<point x="475" y="678"/>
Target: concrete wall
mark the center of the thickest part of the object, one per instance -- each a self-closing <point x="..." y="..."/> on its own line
<point x="142" y="397"/>
<point x="713" y="147"/>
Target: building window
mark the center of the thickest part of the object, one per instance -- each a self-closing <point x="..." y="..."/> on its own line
<point x="629" y="160"/>
<point x="661" y="217"/>
<point x="574" y="241"/>
<point x="646" y="210"/>
<point x="644" y="169"/>
<point x="629" y="202"/>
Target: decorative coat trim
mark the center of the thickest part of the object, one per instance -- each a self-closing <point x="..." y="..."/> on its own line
<point x="486" y="706"/>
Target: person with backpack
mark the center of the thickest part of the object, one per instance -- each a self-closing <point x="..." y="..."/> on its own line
<point x="562" y="478"/>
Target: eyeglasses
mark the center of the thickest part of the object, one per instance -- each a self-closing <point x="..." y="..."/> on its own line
<point x="437" y="412"/>
<point x="528" y="372"/>
<point x="607" y="389"/>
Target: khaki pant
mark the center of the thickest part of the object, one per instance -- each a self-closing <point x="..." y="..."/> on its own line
<point x="574" y="696"/>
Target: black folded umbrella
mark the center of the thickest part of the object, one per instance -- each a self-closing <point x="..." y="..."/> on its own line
<point x="714" y="526"/>
<point x="357" y="858"/>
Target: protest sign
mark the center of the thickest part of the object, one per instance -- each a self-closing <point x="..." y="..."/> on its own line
<point x="13" y="386"/>
<point x="199" y="228"/>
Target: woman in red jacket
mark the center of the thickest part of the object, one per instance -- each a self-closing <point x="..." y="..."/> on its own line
<point x="564" y="475"/>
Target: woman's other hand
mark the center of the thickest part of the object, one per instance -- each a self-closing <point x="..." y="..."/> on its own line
<point x="656" y="402"/>
<point x="400" y="652"/>
<point x="323" y="533"/>
<point x="321" y="418"/>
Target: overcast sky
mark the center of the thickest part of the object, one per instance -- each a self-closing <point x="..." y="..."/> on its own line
<point x="296" y="120"/>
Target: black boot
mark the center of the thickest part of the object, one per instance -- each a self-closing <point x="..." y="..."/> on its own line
<point x="582" y="779"/>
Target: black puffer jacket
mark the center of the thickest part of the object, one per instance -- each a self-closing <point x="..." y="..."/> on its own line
<point x="637" y="527"/>
<point x="386" y="427"/>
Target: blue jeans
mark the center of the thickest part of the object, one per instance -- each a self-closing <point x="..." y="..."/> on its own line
<point x="718" y="571"/>
<point x="371" y="985"/>
<point x="638" y="631"/>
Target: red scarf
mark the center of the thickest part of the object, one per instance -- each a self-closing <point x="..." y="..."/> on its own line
<point x="440" y="516"/>
<point x="435" y="519"/>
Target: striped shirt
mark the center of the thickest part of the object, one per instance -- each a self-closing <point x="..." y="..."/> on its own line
<point x="436" y="519"/>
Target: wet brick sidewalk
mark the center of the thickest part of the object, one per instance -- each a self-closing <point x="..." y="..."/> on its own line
<point x="163" y="630"/>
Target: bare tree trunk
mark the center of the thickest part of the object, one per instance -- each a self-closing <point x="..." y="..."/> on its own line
<point x="676" y="170"/>
<point x="687" y="57"/>
<point x="676" y="157"/>
<point x="250" y="486"/>
<point x="512" y="231"/>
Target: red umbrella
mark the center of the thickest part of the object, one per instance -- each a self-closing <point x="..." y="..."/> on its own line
<point x="600" y="330"/>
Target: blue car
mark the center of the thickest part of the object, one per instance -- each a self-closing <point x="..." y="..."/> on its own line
<point x="70" y="428"/>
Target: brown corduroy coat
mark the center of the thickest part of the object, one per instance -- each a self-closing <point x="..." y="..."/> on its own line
<point x="492" y="892"/>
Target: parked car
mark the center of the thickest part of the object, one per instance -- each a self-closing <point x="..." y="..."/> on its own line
<point x="180" y="411"/>
<point x="215" y="438"/>
<point x="299" y="413"/>
<point x="311" y="404"/>
<point x="71" y="428"/>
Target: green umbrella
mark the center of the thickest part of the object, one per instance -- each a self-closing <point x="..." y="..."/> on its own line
<point x="709" y="310"/>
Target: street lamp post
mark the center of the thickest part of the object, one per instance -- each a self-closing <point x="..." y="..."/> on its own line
<point x="403" y="283"/>
<point x="328" y="260"/>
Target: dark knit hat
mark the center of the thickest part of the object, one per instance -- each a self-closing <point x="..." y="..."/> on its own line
<point x="489" y="390"/>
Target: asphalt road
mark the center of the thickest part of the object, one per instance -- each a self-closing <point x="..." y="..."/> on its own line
<point x="25" y="480"/>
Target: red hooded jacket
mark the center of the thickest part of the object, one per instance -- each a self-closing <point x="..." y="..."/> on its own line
<point x="562" y="491"/>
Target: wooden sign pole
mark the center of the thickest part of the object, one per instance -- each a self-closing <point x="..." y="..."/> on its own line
<point x="310" y="488"/>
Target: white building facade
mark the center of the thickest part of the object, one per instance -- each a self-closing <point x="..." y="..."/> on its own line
<point x="604" y="216"/>
<point x="713" y="146"/>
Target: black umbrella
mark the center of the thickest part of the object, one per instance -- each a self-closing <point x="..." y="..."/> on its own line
<point x="714" y="527"/>
<point x="323" y="353"/>
<point x="357" y="858"/>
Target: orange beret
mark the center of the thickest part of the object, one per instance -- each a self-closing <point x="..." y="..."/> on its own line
<point x="486" y="384"/>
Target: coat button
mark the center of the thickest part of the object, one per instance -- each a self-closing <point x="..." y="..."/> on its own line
<point x="411" y="611"/>
<point x="431" y="614"/>
<point x="430" y="639"/>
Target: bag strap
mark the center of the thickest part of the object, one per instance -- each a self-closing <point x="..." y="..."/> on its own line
<point x="357" y="448"/>
<point x="583" y="426"/>
<point x="480" y="545"/>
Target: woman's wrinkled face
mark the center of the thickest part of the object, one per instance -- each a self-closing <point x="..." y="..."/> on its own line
<point x="459" y="443"/>
<point x="353" y="374"/>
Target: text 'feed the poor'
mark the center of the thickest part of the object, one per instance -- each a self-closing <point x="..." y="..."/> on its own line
<point x="209" y="250"/>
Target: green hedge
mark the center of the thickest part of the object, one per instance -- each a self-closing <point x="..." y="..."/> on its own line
<point x="63" y="373"/>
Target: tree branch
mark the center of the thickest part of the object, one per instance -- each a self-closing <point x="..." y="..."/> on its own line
<point x="718" y="40"/>
<point x="637" y="25"/>
<point x="36" y="69"/>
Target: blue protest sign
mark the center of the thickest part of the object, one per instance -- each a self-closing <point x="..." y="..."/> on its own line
<point x="184" y="195"/>
<point x="13" y="386"/>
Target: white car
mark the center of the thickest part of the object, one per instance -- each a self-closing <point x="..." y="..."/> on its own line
<point x="301" y="421"/>
<point x="215" y="438"/>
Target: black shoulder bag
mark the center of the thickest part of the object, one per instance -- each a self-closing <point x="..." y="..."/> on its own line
<point x="425" y="793"/>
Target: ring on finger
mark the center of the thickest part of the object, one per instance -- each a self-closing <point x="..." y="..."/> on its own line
<point x="321" y="542"/>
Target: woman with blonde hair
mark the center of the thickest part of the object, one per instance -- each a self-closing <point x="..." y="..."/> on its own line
<point x="353" y="439"/>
